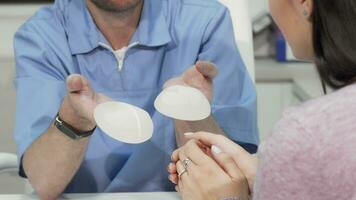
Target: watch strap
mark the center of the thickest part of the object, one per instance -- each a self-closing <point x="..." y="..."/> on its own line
<point x="70" y="131"/>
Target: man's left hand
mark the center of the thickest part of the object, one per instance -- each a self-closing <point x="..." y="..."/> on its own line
<point x="199" y="76"/>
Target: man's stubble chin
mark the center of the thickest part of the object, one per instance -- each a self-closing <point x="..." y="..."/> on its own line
<point x="118" y="6"/>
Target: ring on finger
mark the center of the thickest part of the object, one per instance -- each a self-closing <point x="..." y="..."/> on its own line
<point x="186" y="163"/>
<point x="183" y="172"/>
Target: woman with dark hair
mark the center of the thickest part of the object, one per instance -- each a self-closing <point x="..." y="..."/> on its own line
<point x="311" y="153"/>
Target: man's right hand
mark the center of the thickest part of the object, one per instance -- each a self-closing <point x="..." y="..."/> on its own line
<point x="78" y="105"/>
<point x="52" y="160"/>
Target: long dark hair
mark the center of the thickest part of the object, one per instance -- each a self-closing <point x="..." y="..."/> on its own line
<point x="334" y="38"/>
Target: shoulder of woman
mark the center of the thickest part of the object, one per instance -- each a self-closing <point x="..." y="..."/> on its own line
<point x="324" y="116"/>
<point x="314" y="143"/>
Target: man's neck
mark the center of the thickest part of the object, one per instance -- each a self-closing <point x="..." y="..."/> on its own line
<point x="118" y="28"/>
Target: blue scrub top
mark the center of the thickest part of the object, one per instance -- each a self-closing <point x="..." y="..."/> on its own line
<point x="172" y="35"/>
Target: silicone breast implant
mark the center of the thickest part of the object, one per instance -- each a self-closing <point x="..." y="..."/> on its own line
<point x="183" y="103"/>
<point x="124" y="122"/>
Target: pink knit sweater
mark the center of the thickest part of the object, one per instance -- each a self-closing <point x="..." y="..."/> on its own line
<point x="311" y="153"/>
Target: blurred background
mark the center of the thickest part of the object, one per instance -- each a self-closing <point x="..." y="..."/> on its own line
<point x="281" y="81"/>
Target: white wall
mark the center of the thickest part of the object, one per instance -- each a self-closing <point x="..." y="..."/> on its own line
<point x="258" y="8"/>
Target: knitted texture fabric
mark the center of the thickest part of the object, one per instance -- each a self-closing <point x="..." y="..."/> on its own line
<point x="311" y="153"/>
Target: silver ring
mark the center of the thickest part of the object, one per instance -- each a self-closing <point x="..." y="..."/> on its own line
<point x="186" y="163"/>
<point x="183" y="172"/>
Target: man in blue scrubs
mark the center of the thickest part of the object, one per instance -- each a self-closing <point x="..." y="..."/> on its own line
<point x="125" y="50"/>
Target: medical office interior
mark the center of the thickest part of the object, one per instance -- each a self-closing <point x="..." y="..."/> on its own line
<point x="281" y="80"/>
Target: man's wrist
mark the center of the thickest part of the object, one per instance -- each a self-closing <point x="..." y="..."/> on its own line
<point x="79" y="123"/>
<point x="70" y="131"/>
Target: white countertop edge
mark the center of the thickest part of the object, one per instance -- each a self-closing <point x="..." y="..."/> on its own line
<point x="304" y="76"/>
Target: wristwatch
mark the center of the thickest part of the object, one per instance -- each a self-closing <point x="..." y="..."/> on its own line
<point x="70" y="131"/>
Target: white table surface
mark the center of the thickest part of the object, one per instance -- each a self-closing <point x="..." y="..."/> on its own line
<point x="107" y="196"/>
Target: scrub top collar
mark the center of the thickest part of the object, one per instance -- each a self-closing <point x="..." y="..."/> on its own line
<point x="84" y="36"/>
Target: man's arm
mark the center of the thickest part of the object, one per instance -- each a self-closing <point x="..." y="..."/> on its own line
<point x="51" y="162"/>
<point x="200" y="76"/>
<point x="48" y="158"/>
<point x="233" y="96"/>
<point x="207" y="125"/>
<point x="53" y="159"/>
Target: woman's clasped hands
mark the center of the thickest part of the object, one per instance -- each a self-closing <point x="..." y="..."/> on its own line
<point x="212" y="167"/>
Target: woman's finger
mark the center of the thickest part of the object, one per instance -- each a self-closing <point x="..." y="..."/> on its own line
<point x="185" y="160"/>
<point x="186" y="183"/>
<point x="244" y="160"/>
<point x="171" y="168"/>
<point x="182" y="172"/>
<point x="175" y="155"/>
<point x="206" y="138"/>
<point x="246" y="167"/>
<point x="177" y="188"/>
<point x="239" y="154"/>
<point x="194" y="152"/>
<point x="227" y="163"/>
<point x="173" y="178"/>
